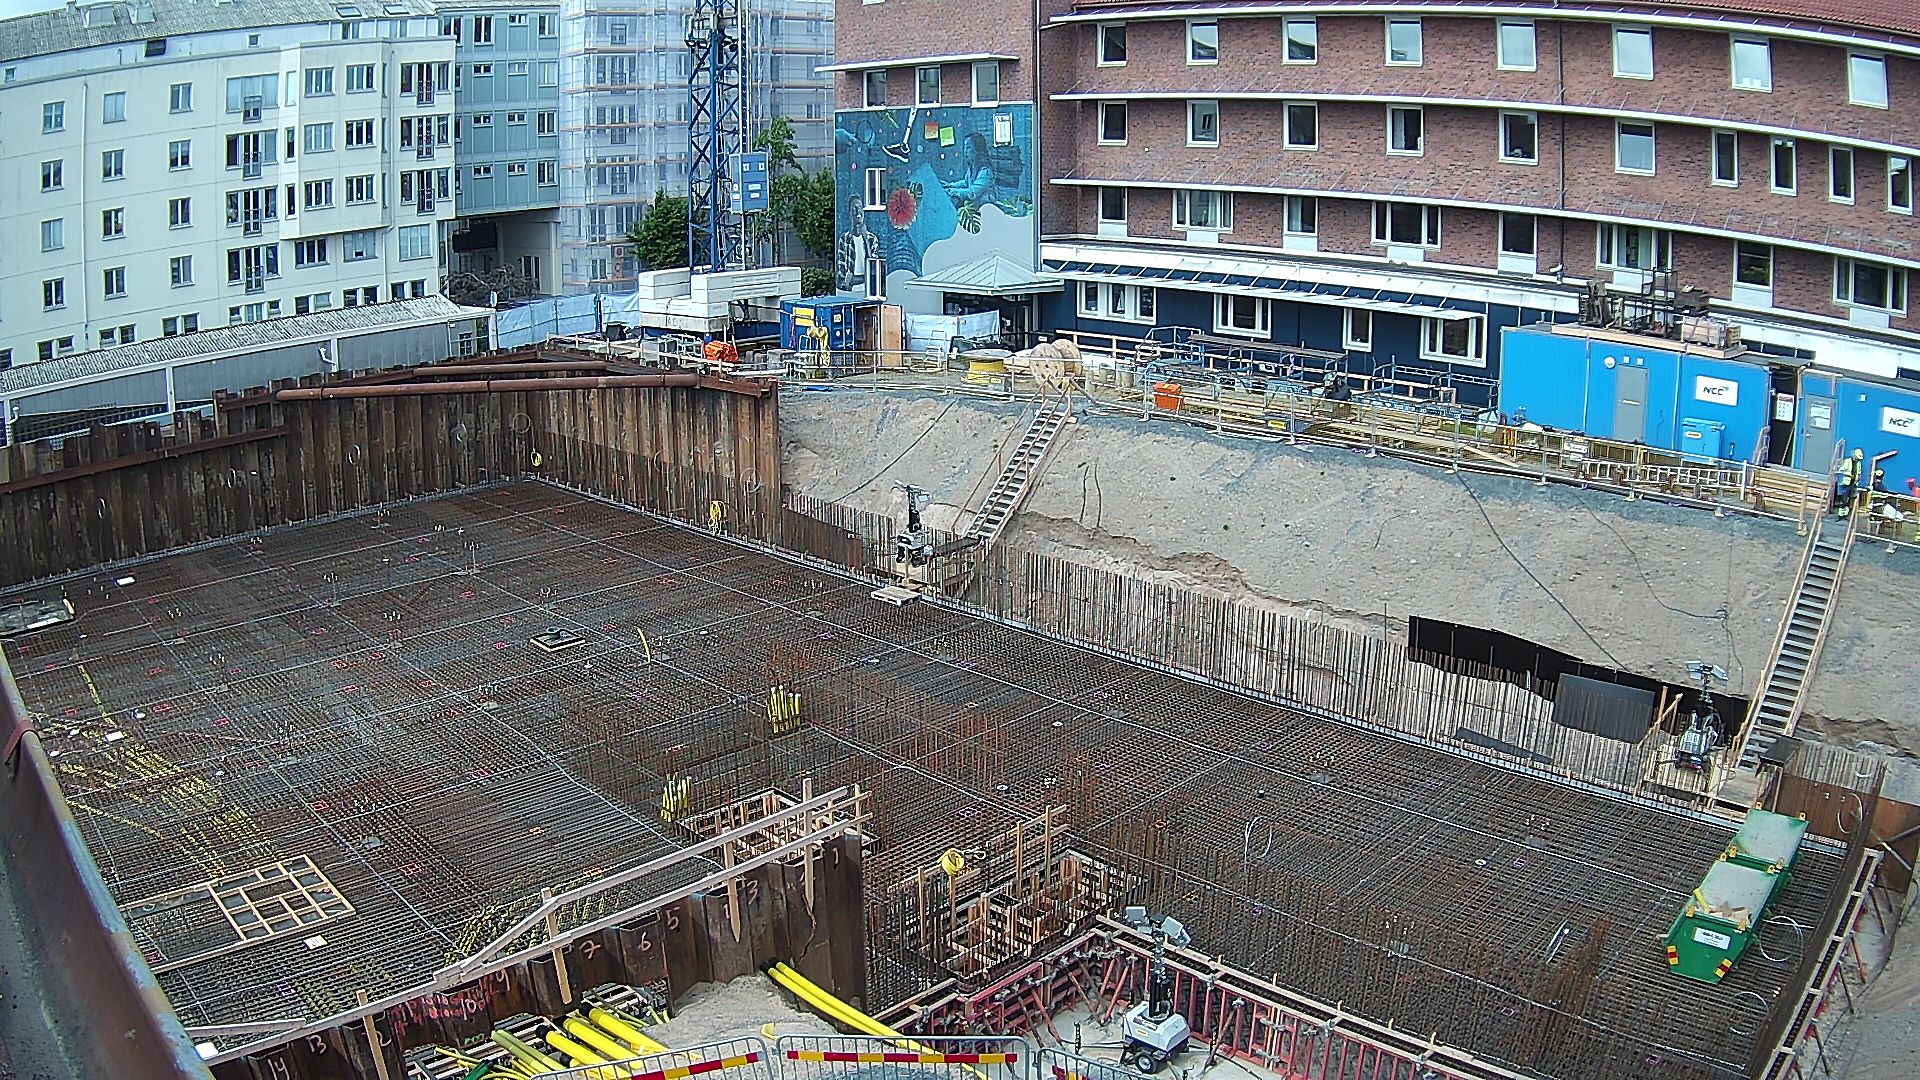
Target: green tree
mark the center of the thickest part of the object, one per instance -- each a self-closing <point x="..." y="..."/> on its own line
<point x="815" y="281"/>
<point x="777" y="141"/>
<point x="796" y="199"/>
<point x="659" y="238"/>
<point x="812" y="213"/>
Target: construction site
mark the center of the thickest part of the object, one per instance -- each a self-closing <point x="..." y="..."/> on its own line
<point x="407" y="711"/>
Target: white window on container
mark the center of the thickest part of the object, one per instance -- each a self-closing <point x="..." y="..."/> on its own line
<point x="1234" y="313"/>
<point x="1357" y="329"/>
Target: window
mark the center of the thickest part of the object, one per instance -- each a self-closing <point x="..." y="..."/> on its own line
<point x="483" y="172"/>
<point x="1119" y="303"/>
<point x="516" y="67"/>
<point x="1358" y="331"/>
<point x="116" y="335"/>
<point x="1303" y="215"/>
<point x="1203" y="42"/>
<point x="1113" y="123"/>
<point x="53" y="293"/>
<point x="1303" y="40"/>
<point x="547" y="174"/>
<point x="616" y="34"/>
<point x="53" y="117"/>
<point x="1632" y="52"/>
<point x="180" y="271"/>
<point x="1405" y="130"/>
<point x="53" y="234"/>
<point x="52" y="175"/>
<point x="518" y="118"/>
<point x="113" y="223"/>
<point x="1244" y="315"/>
<point x="549" y="73"/>
<point x="359" y="133"/>
<point x="175" y="325"/>
<point x="416" y="242"/>
<point x="113" y="164"/>
<point x="1113" y="205"/>
<point x="516" y="20"/>
<point x="483" y="29"/>
<point x="317" y="138"/>
<point x="1753" y="264"/>
<point x="1303" y="126"/>
<point x="179" y="212"/>
<point x="1514" y="47"/>
<point x="360" y="79"/>
<point x="113" y="107"/>
<point x="1867" y="80"/>
<point x="1454" y="341"/>
<point x="1858" y="283"/>
<point x="1410" y="224"/>
<point x="986" y="82"/>
<point x="1518" y="234"/>
<point x="516" y="168"/>
<point x="1113" y="44"/>
<point x="927" y="84"/>
<point x="318" y="195"/>
<point x="483" y="71"/>
<point x="1899" y="184"/>
<point x="546" y="26"/>
<point x="311" y="252"/>
<point x="1203" y="123"/>
<point x="1726" y="158"/>
<point x="180" y="154"/>
<point x="1403" y="42"/>
<point x="874" y="88"/>
<point x="1633" y="247"/>
<point x="1520" y="138"/>
<point x="359" y="190"/>
<point x="180" y="97"/>
<point x="318" y="82"/>
<point x="876" y="189"/>
<point x="1633" y="148"/>
<point x="1839" y="174"/>
<point x="1752" y="65"/>
<point x="252" y="92"/>
<point x="544" y="122"/>
<point x="1785" y="162"/>
<point x="1208" y="210"/>
<point x="253" y="264"/>
<point x="358" y="246"/>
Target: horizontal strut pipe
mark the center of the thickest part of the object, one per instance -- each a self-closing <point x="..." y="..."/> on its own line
<point x="510" y="368"/>
<point x="487" y="386"/>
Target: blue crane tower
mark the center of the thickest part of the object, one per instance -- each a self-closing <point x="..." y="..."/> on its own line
<point x="716" y="134"/>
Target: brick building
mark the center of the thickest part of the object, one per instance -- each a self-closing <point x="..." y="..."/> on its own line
<point x="1399" y="181"/>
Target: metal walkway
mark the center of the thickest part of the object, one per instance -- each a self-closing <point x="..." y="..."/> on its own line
<point x="1016" y="478"/>
<point x="1801" y="634"/>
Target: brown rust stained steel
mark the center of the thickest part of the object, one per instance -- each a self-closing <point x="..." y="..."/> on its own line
<point x="163" y="453"/>
<point x="486" y="386"/>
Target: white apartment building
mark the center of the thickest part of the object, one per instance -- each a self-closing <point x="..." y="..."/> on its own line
<point x="168" y="166"/>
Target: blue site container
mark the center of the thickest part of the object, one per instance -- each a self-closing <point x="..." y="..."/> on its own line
<point x="840" y="316"/>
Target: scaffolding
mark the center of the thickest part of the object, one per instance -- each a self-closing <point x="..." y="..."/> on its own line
<point x="625" y="110"/>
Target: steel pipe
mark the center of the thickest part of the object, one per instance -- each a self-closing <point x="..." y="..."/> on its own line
<point x="509" y="368"/>
<point x="487" y="386"/>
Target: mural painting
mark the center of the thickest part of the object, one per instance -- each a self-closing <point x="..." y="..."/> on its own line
<point x="954" y="181"/>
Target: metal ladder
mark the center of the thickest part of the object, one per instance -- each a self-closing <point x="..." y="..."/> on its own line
<point x="1801" y="634"/>
<point x="1016" y="478"/>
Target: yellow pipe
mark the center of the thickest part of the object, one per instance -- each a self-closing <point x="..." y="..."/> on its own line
<point x="625" y="1032"/>
<point x="581" y="1055"/>
<point x="834" y="1008"/>
<point x="606" y="1044"/>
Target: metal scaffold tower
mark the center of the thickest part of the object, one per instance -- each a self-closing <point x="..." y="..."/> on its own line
<point x="716" y="133"/>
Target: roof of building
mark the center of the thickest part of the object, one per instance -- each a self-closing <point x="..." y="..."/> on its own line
<point x="992" y="274"/>
<point x="113" y="22"/>
<point x="229" y="339"/>
<point x="1900" y="17"/>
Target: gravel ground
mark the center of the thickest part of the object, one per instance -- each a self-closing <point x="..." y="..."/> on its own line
<point x="714" y="1011"/>
<point x="1865" y="685"/>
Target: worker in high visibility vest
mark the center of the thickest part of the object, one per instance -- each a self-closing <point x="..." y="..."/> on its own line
<point x="1847" y="480"/>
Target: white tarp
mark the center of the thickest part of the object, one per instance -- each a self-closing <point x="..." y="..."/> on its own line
<point x="935" y="333"/>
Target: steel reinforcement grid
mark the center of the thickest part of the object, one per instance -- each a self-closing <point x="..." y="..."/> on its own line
<point x="363" y="692"/>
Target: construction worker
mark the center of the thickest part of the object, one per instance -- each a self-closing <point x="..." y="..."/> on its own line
<point x="1847" y="480"/>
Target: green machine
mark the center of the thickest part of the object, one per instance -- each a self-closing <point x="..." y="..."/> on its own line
<point x="1723" y="914"/>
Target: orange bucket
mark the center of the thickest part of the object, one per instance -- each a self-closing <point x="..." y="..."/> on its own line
<point x="1166" y="395"/>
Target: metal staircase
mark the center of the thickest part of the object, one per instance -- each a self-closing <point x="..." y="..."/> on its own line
<point x="1016" y="478"/>
<point x="1801" y="634"/>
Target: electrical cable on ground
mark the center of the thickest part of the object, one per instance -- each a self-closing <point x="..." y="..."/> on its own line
<point x="898" y="456"/>
<point x="1724" y="616"/>
<point x="1527" y="570"/>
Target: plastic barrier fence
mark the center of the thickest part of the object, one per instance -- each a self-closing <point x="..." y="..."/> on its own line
<point x="922" y="1057"/>
<point x="737" y="1059"/>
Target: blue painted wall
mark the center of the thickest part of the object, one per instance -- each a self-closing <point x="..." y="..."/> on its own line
<point x="1572" y="383"/>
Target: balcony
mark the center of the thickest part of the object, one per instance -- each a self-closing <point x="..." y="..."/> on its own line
<point x="425" y="205"/>
<point x="423" y="97"/>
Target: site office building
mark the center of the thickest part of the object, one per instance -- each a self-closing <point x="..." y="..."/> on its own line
<point x="168" y="166"/>
<point x="1318" y="174"/>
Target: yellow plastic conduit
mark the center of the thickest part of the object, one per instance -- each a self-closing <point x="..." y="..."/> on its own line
<point x="625" y="1032"/>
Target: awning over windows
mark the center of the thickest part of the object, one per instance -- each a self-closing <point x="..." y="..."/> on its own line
<point x="1274" y="287"/>
<point x="913" y="61"/>
<point x="992" y="274"/>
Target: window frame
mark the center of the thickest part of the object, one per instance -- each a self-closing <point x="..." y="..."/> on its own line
<point x="1195" y="103"/>
<point x="113" y="283"/>
<point x="177" y="101"/>
<point x="179" y="155"/>
<point x="1101" y="136"/>
<point x="1897" y="280"/>
<point x="1653" y="147"/>
<point x="119" y="98"/>
<point x="874" y="189"/>
<point x="1500" y="62"/>
<point x="1223" y="316"/>
<point x="1100" y="205"/>
<point x="1792" y="147"/>
<point x="1100" y="42"/>
<point x="920" y="84"/>
<point x="1904" y="188"/>
<point x="1286" y="39"/>
<point x="180" y="212"/>
<point x="180" y="271"/>
<point x="53" y="234"/>
<point x="1745" y="251"/>
<point x="1420" y="148"/>
<point x="1878" y="60"/>
<point x="1606" y="245"/>
<point x="867" y="88"/>
<point x="53" y="117"/>
<point x="1532" y="118"/>
<point x="54" y="178"/>
<point x="1433" y="341"/>
<point x="1533" y="233"/>
<point x="1222" y="203"/>
<point x="1834" y="172"/>
<point x="1194" y="43"/>
<point x="1637" y="30"/>
<point x="1383" y="224"/>
<point x="1350" y="340"/>
<point x="1289" y="214"/>
<point x="1715" y="159"/>
<point x="973" y="82"/>
<point x="1287" y="126"/>
<point x="1419" y="40"/>
<point x="1734" y="42"/>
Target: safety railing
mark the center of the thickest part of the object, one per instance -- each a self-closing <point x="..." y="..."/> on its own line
<point x="922" y="1057"/>
<point x="1054" y="1063"/>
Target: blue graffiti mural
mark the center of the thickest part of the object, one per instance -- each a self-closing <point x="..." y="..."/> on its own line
<point x="940" y="167"/>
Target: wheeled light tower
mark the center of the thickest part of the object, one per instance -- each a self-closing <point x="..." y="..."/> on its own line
<point x="1155" y="1034"/>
